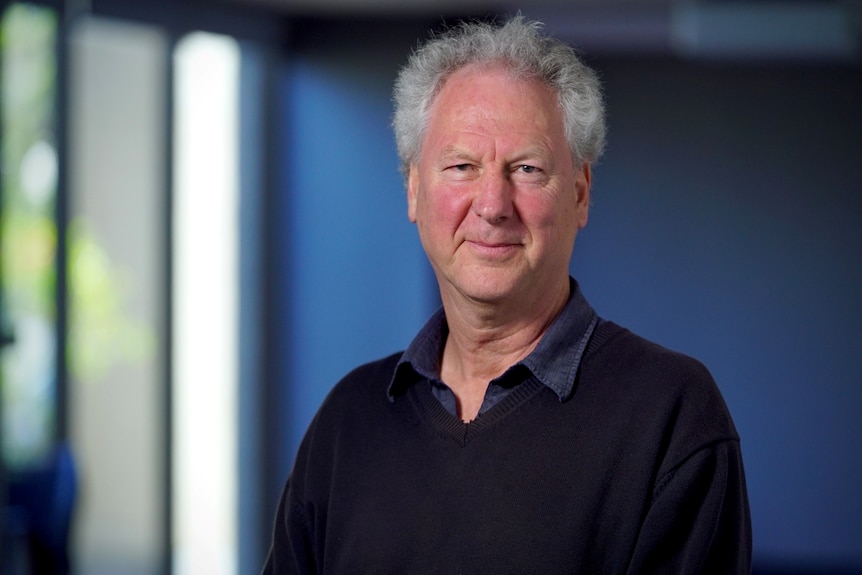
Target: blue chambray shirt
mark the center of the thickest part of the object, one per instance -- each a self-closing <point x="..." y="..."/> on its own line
<point x="554" y="362"/>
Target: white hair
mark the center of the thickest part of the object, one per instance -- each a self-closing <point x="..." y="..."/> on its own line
<point x="519" y="46"/>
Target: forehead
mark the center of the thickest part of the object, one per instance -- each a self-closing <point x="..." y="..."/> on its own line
<point x="489" y="99"/>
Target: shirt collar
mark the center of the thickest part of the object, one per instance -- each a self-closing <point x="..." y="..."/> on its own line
<point x="554" y="361"/>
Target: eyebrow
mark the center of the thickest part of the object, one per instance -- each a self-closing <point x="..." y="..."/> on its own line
<point x="453" y="152"/>
<point x="539" y="152"/>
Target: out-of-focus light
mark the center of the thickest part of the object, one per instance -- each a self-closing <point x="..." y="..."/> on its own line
<point x="205" y="285"/>
<point x="769" y="30"/>
<point x="38" y="173"/>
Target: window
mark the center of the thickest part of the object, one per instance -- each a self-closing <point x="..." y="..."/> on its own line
<point x="117" y="131"/>
<point x="28" y="234"/>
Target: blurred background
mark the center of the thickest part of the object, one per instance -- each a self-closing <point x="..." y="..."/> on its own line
<point x="202" y="228"/>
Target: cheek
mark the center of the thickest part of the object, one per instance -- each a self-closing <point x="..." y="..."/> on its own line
<point x="541" y="213"/>
<point x="443" y="210"/>
<point x="555" y="221"/>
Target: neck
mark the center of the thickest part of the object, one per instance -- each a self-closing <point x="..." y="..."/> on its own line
<point x="485" y="339"/>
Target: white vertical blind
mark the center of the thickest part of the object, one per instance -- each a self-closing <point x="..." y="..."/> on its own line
<point x="116" y="234"/>
<point x="205" y="291"/>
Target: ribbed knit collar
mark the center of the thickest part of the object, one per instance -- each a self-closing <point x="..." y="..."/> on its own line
<point x="554" y="362"/>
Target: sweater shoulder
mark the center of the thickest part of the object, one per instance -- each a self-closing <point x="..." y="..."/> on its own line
<point x="362" y="387"/>
<point x="354" y="403"/>
<point x="372" y="374"/>
<point x="665" y="393"/>
<point x="620" y="352"/>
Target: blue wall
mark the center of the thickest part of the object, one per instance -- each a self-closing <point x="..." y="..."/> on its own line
<point x="356" y="282"/>
<point x="725" y="224"/>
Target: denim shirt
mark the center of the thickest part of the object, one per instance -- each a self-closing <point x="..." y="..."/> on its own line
<point x="554" y="362"/>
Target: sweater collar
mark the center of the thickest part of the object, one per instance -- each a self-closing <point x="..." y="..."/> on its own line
<point x="554" y="362"/>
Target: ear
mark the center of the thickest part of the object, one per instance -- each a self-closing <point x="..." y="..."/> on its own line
<point x="582" y="188"/>
<point x="412" y="192"/>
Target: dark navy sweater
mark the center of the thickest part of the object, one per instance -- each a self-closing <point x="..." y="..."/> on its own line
<point x="638" y="471"/>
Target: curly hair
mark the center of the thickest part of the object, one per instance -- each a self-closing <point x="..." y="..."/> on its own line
<point x="520" y="46"/>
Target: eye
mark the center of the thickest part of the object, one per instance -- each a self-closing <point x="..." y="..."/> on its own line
<point x="460" y="172"/>
<point x="529" y="174"/>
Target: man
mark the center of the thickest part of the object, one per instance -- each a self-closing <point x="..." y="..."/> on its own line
<point x="519" y="432"/>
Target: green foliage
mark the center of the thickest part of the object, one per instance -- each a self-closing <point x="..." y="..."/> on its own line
<point x="102" y="335"/>
<point x="28" y="236"/>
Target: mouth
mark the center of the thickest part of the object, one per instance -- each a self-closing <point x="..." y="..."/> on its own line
<point x="493" y="250"/>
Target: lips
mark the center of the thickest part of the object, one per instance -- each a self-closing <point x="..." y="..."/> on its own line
<point x="494" y="244"/>
<point x="493" y="249"/>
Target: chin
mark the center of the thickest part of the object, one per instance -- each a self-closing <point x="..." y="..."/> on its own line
<point x="490" y="290"/>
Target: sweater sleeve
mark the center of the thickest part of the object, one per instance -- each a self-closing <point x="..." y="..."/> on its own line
<point x="699" y="520"/>
<point x="291" y="549"/>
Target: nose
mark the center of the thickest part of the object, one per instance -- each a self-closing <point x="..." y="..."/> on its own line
<point x="493" y="199"/>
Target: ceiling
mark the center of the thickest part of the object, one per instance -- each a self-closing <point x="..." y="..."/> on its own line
<point x="431" y="7"/>
<point x="750" y="29"/>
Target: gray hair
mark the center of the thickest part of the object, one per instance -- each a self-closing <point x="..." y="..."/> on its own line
<point x="519" y="46"/>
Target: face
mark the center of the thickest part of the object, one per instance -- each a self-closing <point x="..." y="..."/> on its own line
<point x="496" y="195"/>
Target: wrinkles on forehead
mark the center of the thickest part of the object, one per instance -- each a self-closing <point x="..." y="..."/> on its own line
<point x="515" y="73"/>
<point x="472" y="119"/>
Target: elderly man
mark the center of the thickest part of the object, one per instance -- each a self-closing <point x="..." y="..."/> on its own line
<point x="519" y="432"/>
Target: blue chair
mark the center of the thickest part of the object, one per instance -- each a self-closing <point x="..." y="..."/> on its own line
<point x="41" y="502"/>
